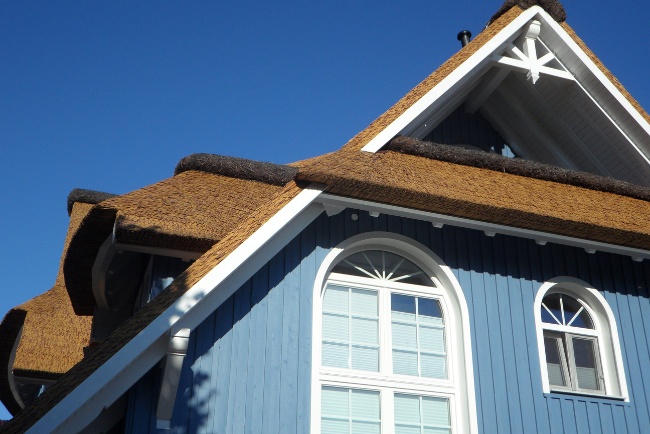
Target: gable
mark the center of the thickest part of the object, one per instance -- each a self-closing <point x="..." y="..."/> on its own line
<point x="541" y="90"/>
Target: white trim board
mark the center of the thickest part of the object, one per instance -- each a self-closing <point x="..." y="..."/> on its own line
<point x="441" y="219"/>
<point x="112" y="379"/>
<point x="441" y="94"/>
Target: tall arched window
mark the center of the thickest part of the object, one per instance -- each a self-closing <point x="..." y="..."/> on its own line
<point x="392" y="338"/>
<point x="578" y="340"/>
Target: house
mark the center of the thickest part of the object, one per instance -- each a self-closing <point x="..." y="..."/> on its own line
<point x="477" y="260"/>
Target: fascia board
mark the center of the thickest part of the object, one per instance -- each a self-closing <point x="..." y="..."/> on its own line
<point x="81" y="406"/>
<point x="461" y="75"/>
<point x="606" y="82"/>
<point x="489" y="228"/>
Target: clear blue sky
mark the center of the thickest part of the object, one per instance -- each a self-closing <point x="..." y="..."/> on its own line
<point x="110" y="95"/>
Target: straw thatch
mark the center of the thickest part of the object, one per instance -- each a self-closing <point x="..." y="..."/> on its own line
<point x="268" y="173"/>
<point x="484" y="195"/>
<point x="190" y="211"/>
<point x="553" y="7"/>
<point x="142" y="318"/>
<point x="515" y="166"/>
<point x="52" y="338"/>
<point x="86" y="196"/>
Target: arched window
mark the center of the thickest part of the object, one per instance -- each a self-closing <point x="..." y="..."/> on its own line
<point x="393" y="343"/>
<point x="578" y="340"/>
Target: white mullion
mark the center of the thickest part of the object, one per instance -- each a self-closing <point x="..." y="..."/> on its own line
<point x="562" y="310"/>
<point x="406" y="276"/>
<point x="576" y="315"/>
<point x="417" y="335"/>
<point x="349" y="328"/>
<point x="385" y="333"/>
<point x="387" y="411"/>
<point x="394" y="269"/>
<point x="551" y="313"/>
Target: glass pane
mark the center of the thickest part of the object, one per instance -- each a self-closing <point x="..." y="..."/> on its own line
<point x="407" y="409"/>
<point x="334" y="403"/>
<point x="329" y="426"/>
<point x="365" y="405"/>
<point x="403" y="303"/>
<point x="364" y="302"/>
<point x="565" y="310"/>
<point x="429" y="307"/>
<point x="432" y="340"/>
<point x="405" y="363"/>
<point x="405" y="336"/>
<point x="421" y="414"/>
<point x="584" y="353"/>
<point x="435" y="411"/>
<point x="552" y="303"/>
<point x="336" y="299"/>
<point x="365" y="428"/>
<point x="335" y="355"/>
<point x="365" y="331"/>
<point x="433" y="366"/>
<point x="365" y="359"/>
<point x="554" y="361"/>
<point x="335" y="327"/>
<point x="378" y="264"/>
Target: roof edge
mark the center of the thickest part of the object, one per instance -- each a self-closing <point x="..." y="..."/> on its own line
<point x="9" y="332"/>
<point x="269" y="173"/>
<point x="91" y="197"/>
<point x="553" y="7"/>
<point x="515" y="166"/>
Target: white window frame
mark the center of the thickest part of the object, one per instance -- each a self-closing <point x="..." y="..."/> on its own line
<point x="605" y="332"/>
<point x="459" y="385"/>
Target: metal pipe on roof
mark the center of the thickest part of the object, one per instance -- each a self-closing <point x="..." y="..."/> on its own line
<point x="465" y="36"/>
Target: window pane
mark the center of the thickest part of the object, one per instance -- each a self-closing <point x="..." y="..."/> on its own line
<point x="555" y="361"/>
<point x="432" y="339"/>
<point x="336" y="355"/>
<point x="565" y="310"/>
<point x="586" y="372"/>
<point x="336" y="299"/>
<point x="403" y="303"/>
<point x="405" y="336"/>
<point x="364" y="302"/>
<point x="365" y="359"/>
<point x="405" y="363"/>
<point x="416" y="414"/>
<point x="382" y="265"/>
<point x="429" y="307"/>
<point x="433" y="366"/>
<point x="349" y="411"/>
<point x="350" y="328"/>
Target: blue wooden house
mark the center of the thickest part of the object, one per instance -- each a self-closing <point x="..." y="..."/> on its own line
<point x="477" y="260"/>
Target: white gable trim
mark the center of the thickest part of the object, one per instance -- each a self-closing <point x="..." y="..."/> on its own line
<point x="111" y="380"/>
<point x="432" y="100"/>
<point x="440" y="94"/>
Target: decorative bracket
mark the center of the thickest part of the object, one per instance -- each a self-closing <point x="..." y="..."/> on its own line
<point x="526" y="58"/>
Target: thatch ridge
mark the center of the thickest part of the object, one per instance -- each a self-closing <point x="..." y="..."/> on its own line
<point x="270" y="173"/>
<point x="515" y="166"/>
<point x="553" y="7"/>
<point x="86" y="196"/>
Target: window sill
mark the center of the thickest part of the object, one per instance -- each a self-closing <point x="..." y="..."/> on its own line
<point x="589" y="397"/>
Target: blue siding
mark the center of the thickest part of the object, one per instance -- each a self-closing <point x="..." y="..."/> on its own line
<point x="248" y="367"/>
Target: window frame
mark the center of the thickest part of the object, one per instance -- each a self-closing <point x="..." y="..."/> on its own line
<point x="458" y="387"/>
<point x="608" y="359"/>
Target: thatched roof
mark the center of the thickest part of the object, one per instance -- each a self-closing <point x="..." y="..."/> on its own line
<point x="553" y="7"/>
<point x="191" y="211"/>
<point x="515" y="166"/>
<point x="443" y="181"/>
<point x="269" y="173"/>
<point x="81" y="195"/>
<point x="52" y="338"/>
<point x="131" y="327"/>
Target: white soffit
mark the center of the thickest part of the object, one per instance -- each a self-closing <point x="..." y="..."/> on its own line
<point x="605" y="110"/>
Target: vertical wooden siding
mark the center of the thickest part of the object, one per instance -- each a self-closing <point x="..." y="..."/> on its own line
<point x="248" y="367"/>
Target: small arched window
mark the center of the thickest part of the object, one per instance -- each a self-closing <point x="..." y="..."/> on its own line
<point x="391" y="354"/>
<point x="578" y="341"/>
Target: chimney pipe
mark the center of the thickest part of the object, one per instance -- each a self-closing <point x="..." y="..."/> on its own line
<point x="464" y="37"/>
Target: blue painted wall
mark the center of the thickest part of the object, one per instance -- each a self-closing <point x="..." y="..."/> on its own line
<point x="248" y="366"/>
